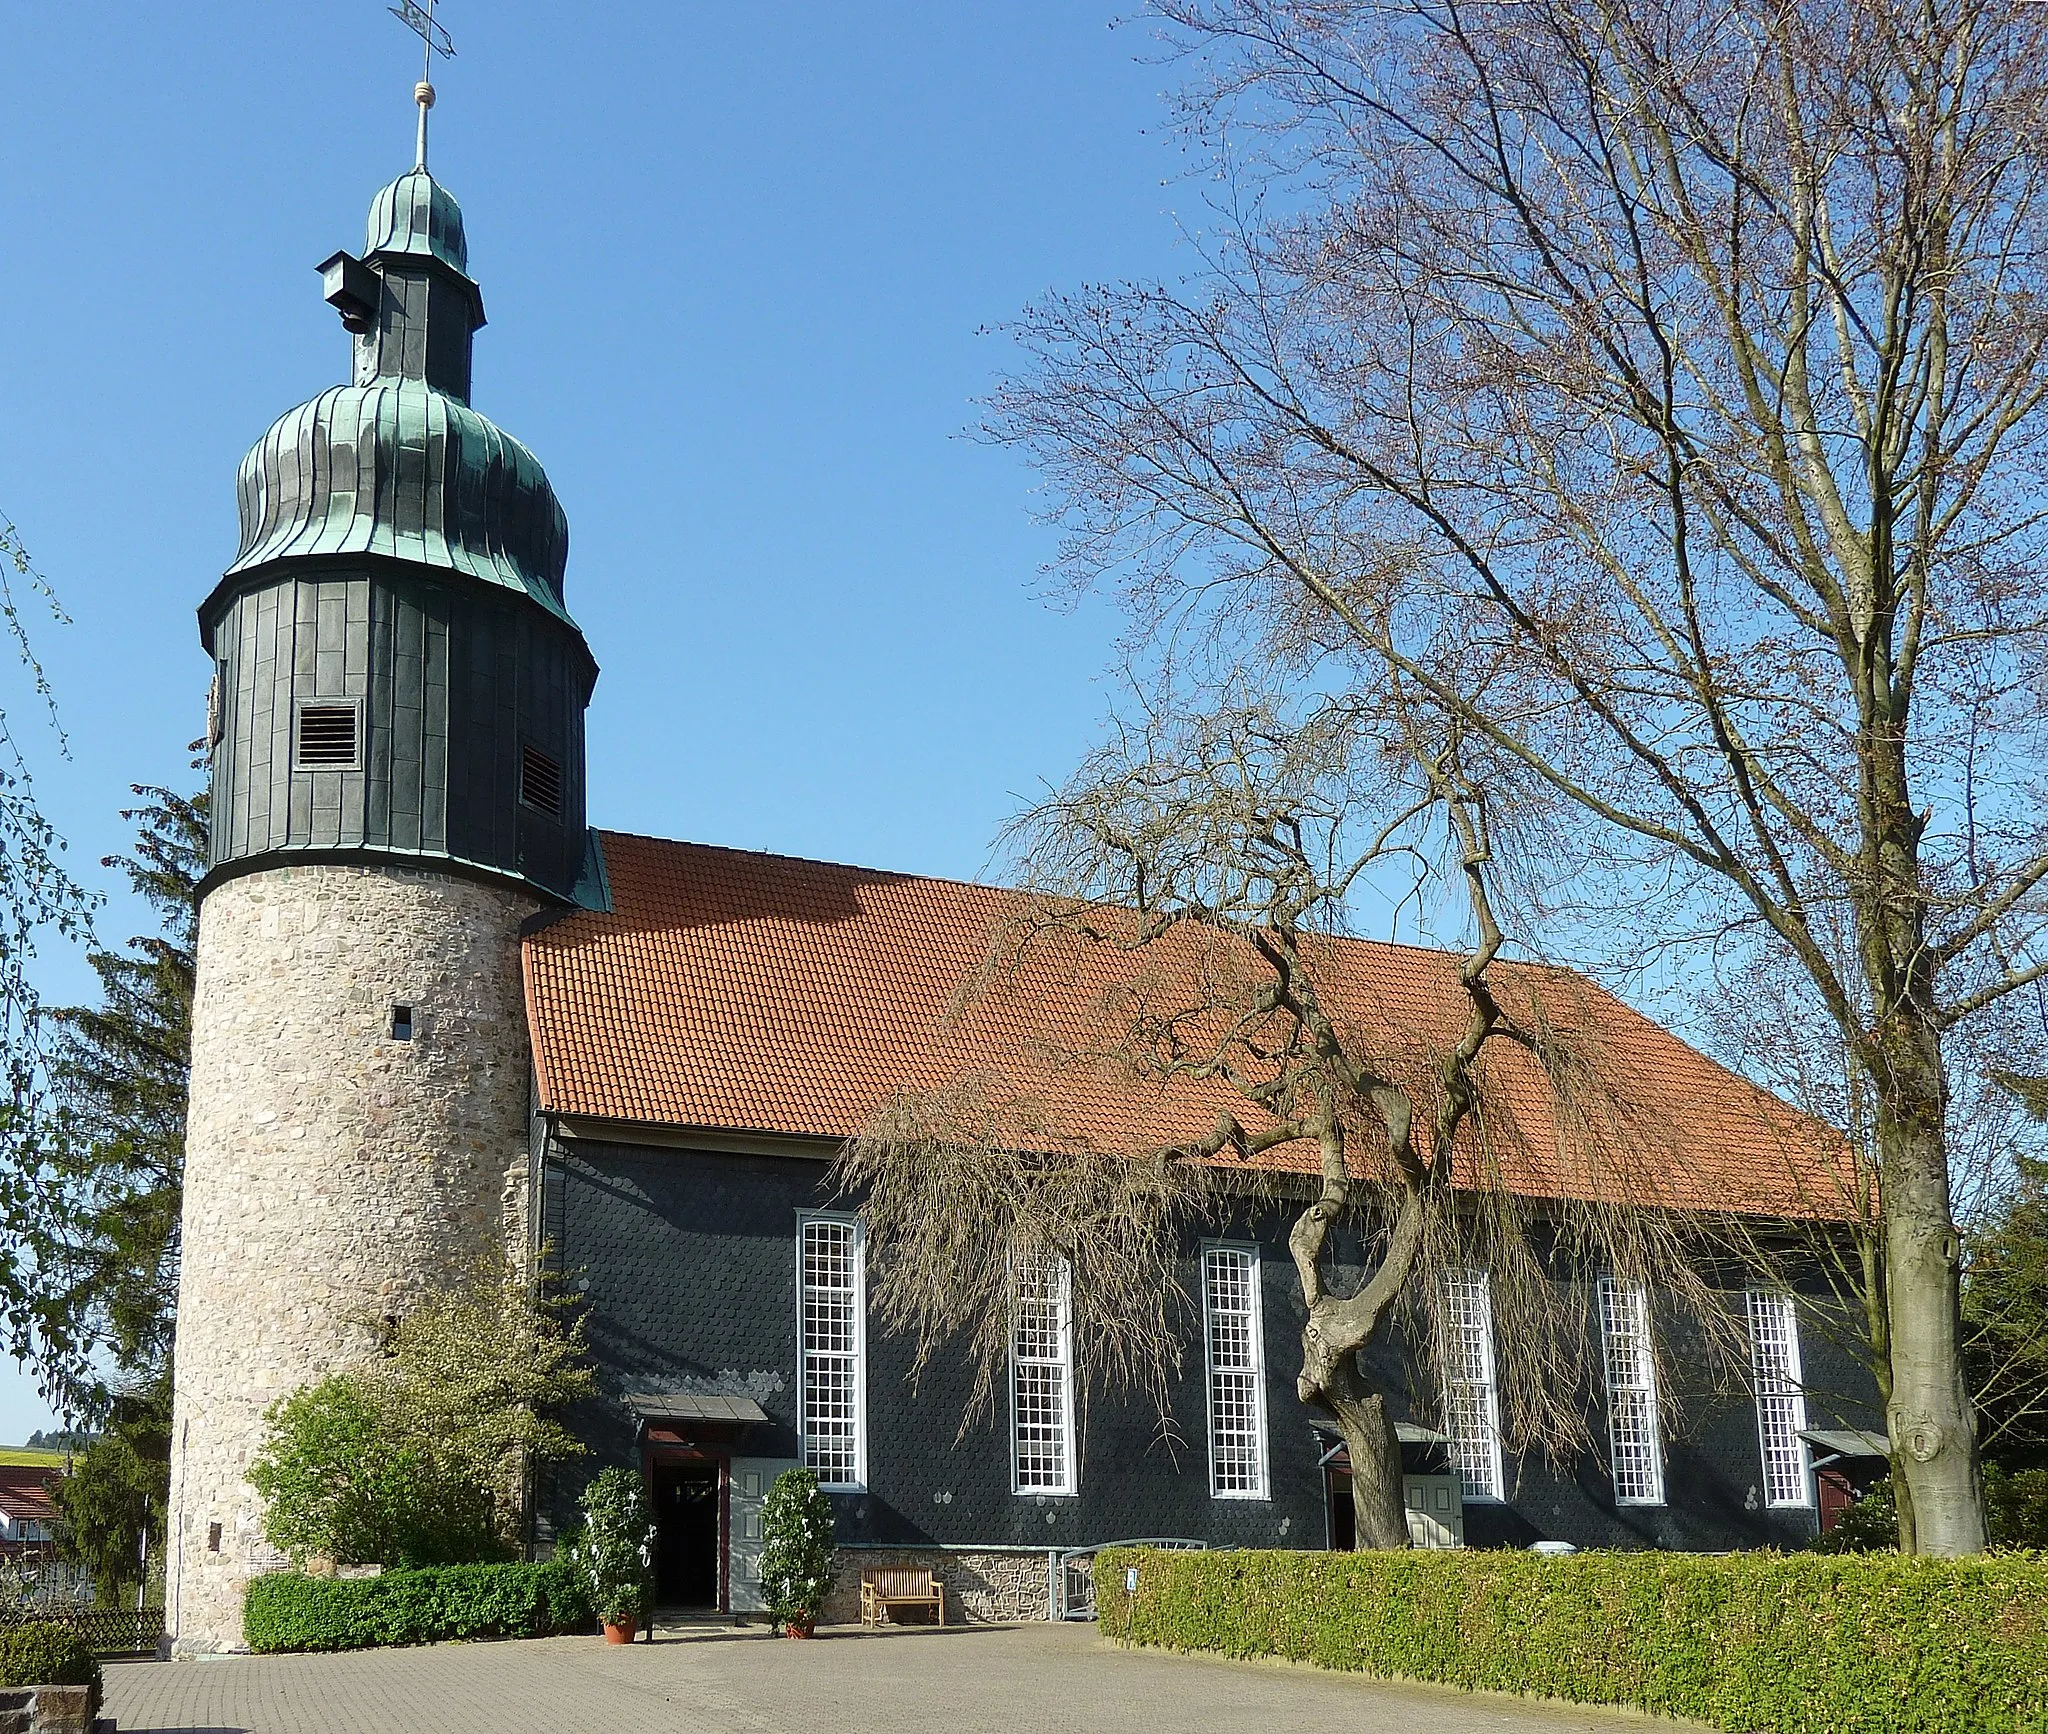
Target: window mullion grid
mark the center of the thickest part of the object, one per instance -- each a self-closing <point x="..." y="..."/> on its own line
<point x="830" y="1340"/>
<point x="1634" y="1434"/>
<point x="1471" y="1400"/>
<point x="1237" y="1420"/>
<point x="1780" y="1397"/>
<point x="1041" y="1376"/>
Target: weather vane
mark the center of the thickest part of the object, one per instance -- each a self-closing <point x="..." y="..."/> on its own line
<point x="418" y="15"/>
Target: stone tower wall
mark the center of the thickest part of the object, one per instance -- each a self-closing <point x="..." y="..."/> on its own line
<point x="331" y="1171"/>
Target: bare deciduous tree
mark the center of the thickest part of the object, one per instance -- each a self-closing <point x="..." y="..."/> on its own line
<point x="1679" y="365"/>
<point x="1190" y="883"/>
<point x="1761" y="1017"/>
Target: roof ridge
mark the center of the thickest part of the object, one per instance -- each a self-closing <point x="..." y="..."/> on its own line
<point x="1001" y="890"/>
<point x="800" y="860"/>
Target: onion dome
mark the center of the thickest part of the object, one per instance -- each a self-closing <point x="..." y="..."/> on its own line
<point x="400" y="469"/>
<point x="416" y="214"/>
<point x="398" y="463"/>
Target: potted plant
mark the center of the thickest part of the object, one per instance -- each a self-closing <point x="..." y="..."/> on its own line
<point x="796" y="1552"/>
<point x="616" y="1552"/>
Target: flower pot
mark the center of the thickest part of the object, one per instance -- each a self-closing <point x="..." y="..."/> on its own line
<point x="801" y="1629"/>
<point x="620" y="1631"/>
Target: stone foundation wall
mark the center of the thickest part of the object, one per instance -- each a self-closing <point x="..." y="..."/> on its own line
<point x="332" y="1172"/>
<point x="981" y="1587"/>
<point x="47" y="1710"/>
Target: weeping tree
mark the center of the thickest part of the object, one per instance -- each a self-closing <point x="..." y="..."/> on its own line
<point x="1179" y="949"/>
<point x="1686" y="360"/>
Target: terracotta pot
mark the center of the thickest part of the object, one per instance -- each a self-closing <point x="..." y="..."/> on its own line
<point x="800" y="1629"/>
<point x="620" y="1632"/>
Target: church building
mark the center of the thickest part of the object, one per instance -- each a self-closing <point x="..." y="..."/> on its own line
<point x="437" y="1011"/>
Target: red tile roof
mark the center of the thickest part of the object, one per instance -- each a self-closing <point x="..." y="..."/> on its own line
<point x="25" y="1494"/>
<point x="759" y="993"/>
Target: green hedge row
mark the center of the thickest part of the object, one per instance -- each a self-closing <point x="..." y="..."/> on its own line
<point x="289" y="1611"/>
<point x="1758" y="1643"/>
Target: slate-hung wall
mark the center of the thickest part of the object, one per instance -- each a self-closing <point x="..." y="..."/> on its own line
<point x="688" y="1259"/>
<point x="452" y="683"/>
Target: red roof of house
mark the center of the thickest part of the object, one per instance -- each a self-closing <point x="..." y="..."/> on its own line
<point x="760" y="993"/>
<point x="25" y="1494"/>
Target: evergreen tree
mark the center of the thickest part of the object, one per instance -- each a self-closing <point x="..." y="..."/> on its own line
<point x="108" y="1253"/>
<point x="118" y="1490"/>
<point x="118" y="1074"/>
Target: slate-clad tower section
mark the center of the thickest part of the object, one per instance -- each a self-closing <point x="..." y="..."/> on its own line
<point x="397" y="734"/>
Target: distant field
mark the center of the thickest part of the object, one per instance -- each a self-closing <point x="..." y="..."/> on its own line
<point x="21" y="1457"/>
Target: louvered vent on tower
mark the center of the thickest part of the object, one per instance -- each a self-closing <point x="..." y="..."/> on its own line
<point x="329" y="738"/>
<point x="540" y="782"/>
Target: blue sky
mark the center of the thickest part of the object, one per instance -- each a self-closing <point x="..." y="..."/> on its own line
<point x="736" y="261"/>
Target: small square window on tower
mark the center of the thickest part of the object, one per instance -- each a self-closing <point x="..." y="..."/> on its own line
<point x="328" y="735"/>
<point x="540" y="782"/>
<point x="401" y="1023"/>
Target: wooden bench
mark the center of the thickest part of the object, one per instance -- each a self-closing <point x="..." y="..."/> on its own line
<point x="894" y="1586"/>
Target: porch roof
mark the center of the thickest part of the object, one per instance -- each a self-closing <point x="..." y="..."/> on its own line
<point x="694" y="1406"/>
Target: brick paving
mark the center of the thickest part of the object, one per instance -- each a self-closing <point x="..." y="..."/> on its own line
<point x="719" y="1680"/>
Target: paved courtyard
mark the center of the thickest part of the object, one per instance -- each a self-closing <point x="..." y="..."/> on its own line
<point x="971" y="1680"/>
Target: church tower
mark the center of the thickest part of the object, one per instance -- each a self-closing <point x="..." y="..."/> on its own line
<point x="397" y="739"/>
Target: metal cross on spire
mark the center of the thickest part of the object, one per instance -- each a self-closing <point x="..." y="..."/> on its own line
<point x="418" y="15"/>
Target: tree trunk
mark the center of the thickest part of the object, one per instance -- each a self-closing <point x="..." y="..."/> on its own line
<point x="1933" y="1431"/>
<point x="1379" y="1509"/>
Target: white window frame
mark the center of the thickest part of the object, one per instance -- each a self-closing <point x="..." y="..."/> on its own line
<point x="1635" y="1427"/>
<point x="1063" y="1363"/>
<point x="858" y="1358"/>
<point x="1476" y="1461"/>
<point x="1256" y="1332"/>
<point x="1779" y="1381"/>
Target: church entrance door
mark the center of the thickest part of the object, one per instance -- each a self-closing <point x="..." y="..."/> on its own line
<point x="686" y="1526"/>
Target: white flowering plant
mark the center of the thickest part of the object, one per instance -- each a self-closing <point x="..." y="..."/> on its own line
<point x="616" y="1548"/>
<point x="796" y="1558"/>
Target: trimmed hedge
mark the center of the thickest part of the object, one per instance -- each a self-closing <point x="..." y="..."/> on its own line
<point x="290" y="1611"/>
<point x="1757" y="1643"/>
<point x="41" y="1653"/>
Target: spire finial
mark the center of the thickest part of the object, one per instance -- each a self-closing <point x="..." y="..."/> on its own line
<point x="418" y="15"/>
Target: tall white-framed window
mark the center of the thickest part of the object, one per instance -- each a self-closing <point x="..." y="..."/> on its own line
<point x="1237" y="1372"/>
<point x="832" y="1349"/>
<point x="1780" y="1397"/>
<point x="1041" y="1375"/>
<point x="1634" y="1436"/>
<point x="1471" y="1396"/>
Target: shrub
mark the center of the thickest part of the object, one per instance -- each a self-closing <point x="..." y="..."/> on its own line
<point x="1871" y="1525"/>
<point x="474" y="1375"/>
<point x="417" y="1458"/>
<point x="2015" y="1507"/>
<point x="616" y="1548"/>
<point x="337" y="1485"/>
<point x="42" y="1654"/>
<point x="1772" y="1643"/>
<point x="288" y="1611"/>
<point x="796" y="1548"/>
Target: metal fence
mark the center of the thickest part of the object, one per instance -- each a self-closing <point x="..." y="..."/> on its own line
<point x="109" y="1631"/>
<point x="1073" y="1579"/>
